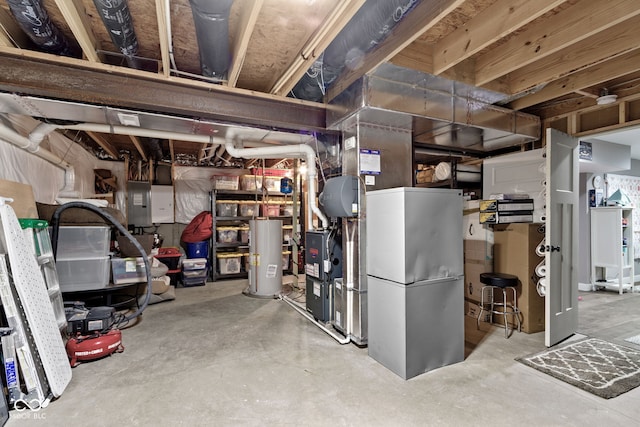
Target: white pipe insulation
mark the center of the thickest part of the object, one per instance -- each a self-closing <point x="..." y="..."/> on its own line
<point x="288" y="151"/>
<point x="31" y="145"/>
<point x="149" y="133"/>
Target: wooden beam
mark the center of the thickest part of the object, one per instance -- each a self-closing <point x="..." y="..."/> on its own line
<point x="10" y="31"/>
<point x="136" y="141"/>
<point x="77" y="18"/>
<point x="587" y="93"/>
<point x="172" y="151"/>
<point x="421" y="18"/>
<point x="492" y="24"/>
<point x="163" y="36"/>
<point x="591" y="76"/>
<point x="595" y="49"/>
<point x="314" y="47"/>
<point x="106" y="145"/>
<point x="583" y="19"/>
<point x="248" y="16"/>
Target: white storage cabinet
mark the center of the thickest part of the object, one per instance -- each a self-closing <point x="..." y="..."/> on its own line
<point x="612" y="248"/>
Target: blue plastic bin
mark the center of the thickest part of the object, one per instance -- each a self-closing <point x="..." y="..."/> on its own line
<point x="198" y="250"/>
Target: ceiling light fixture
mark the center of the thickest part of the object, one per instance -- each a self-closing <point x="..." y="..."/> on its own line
<point x="605" y="98"/>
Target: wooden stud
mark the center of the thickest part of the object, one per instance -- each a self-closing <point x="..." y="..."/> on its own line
<point x="102" y="142"/>
<point x="492" y="24"/>
<point x="163" y="37"/>
<point x="248" y="17"/>
<point x="138" y="144"/>
<point x="592" y="76"/>
<point x="561" y="30"/>
<point x="600" y="47"/>
<point x="11" y="33"/>
<point x="76" y="17"/>
<point x="424" y="16"/>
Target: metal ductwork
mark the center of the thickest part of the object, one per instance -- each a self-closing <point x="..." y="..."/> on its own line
<point x="443" y="112"/>
<point x="117" y="19"/>
<point x="211" y="20"/>
<point x="35" y="22"/>
<point x="369" y="26"/>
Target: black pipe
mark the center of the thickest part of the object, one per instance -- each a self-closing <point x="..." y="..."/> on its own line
<point x="117" y="19"/>
<point x="211" y="20"/>
<point x="35" y="22"/>
<point x="55" y="227"/>
<point x="369" y="26"/>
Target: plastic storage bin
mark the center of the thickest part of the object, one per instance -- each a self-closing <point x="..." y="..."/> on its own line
<point x="271" y="209"/>
<point x="83" y="274"/>
<point x="287" y="208"/>
<point x="83" y="241"/>
<point x="287" y="234"/>
<point x="271" y="183"/>
<point x="229" y="263"/>
<point x="198" y="250"/>
<point x="227" y="234"/>
<point x="227" y="207"/>
<point x="251" y="182"/>
<point x="248" y="208"/>
<point x="244" y="234"/>
<point x="170" y="257"/>
<point x="194" y="264"/>
<point x="225" y="182"/>
<point x="128" y="270"/>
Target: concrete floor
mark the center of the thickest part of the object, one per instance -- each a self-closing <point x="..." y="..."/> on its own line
<point x="214" y="357"/>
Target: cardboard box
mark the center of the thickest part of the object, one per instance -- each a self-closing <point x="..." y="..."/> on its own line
<point x="478" y="258"/>
<point x="514" y="253"/>
<point x="472" y="309"/>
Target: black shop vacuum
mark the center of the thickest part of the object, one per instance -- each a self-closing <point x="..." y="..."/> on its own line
<point x="94" y="333"/>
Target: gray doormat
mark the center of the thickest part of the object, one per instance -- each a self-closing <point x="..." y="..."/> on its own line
<point x="599" y="367"/>
<point x="635" y="339"/>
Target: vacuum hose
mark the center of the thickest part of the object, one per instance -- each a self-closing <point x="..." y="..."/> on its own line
<point x="55" y="225"/>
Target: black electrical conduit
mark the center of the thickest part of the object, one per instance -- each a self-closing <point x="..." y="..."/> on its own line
<point x="55" y="226"/>
<point x="35" y="22"/>
<point x="116" y="17"/>
<point x="369" y="26"/>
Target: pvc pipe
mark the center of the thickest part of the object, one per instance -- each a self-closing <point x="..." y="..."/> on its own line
<point x="341" y="340"/>
<point x="150" y="133"/>
<point x="28" y="145"/>
<point x="38" y="133"/>
<point x="297" y="151"/>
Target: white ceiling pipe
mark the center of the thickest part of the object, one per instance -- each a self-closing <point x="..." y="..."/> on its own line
<point x="149" y="133"/>
<point x="285" y="151"/>
<point x="13" y="137"/>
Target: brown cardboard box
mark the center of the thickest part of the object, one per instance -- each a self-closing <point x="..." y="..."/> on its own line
<point x="472" y="309"/>
<point x="515" y="253"/>
<point x="478" y="258"/>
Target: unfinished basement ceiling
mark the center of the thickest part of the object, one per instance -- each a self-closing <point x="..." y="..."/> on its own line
<point x="545" y="57"/>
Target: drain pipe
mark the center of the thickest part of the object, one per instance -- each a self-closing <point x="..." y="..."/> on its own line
<point x="31" y="145"/>
<point x="294" y="151"/>
<point x="296" y="307"/>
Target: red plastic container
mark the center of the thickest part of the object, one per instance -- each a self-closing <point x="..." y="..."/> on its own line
<point x="169" y="256"/>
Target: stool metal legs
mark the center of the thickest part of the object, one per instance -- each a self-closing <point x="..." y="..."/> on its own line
<point x="504" y="308"/>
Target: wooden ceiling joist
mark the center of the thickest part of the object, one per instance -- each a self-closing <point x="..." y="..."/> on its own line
<point x="106" y="145"/>
<point x="334" y="23"/>
<point x="163" y="36"/>
<point x="424" y="16"/>
<point x="10" y="33"/>
<point x="591" y="76"/>
<point x="591" y="51"/>
<point x="138" y="144"/>
<point x="482" y="30"/>
<point x="248" y="17"/>
<point x="576" y="23"/>
<point x="76" y="17"/>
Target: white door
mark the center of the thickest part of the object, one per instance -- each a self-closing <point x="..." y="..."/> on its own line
<point x="561" y="256"/>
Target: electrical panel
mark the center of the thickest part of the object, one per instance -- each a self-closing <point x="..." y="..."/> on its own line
<point x="139" y="204"/>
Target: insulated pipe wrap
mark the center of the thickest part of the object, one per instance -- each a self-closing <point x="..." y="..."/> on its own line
<point x="368" y="27"/>
<point x="117" y="19"/>
<point x="211" y="20"/>
<point x="35" y="22"/>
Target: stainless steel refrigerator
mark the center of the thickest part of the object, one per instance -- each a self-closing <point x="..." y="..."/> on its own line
<point x="415" y="278"/>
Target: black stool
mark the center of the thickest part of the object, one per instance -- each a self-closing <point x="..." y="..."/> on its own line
<point x="504" y="282"/>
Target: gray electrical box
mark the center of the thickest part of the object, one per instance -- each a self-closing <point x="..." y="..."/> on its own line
<point x="139" y="204"/>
